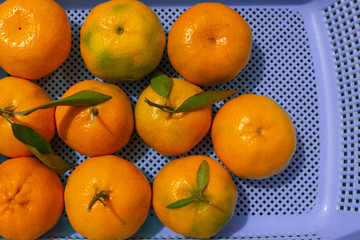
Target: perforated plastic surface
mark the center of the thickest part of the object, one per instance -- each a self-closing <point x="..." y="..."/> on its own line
<point x="343" y="21"/>
<point x="261" y="237"/>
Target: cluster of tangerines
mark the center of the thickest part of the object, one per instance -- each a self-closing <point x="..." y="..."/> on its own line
<point x="108" y="197"/>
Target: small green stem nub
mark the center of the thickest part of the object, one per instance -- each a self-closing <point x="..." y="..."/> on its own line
<point x="101" y="196"/>
<point x="119" y="30"/>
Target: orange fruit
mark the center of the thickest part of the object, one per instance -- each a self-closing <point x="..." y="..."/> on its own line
<point x="19" y="94"/>
<point x="253" y="136"/>
<point x="123" y="203"/>
<point x="122" y="40"/>
<point x="171" y="133"/>
<point x="178" y="180"/>
<point x="35" y="37"/>
<point x="216" y="39"/>
<point x="31" y="198"/>
<point x="108" y="131"/>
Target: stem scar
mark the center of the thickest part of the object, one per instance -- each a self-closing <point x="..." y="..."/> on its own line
<point x="119" y="30"/>
<point x="213" y="40"/>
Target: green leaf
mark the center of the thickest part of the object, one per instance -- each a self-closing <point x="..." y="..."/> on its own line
<point x="180" y="203"/>
<point x="31" y="138"/>
<point x="52" y="161"/>
<point x="203" y="175"/>
<point x="40" y="148"/>
<point x="85" y="98"/>
<point x="204" y="99"/>
<point x="161" y="83"/>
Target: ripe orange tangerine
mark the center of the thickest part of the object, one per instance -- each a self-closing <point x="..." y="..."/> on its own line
<point x="214" y="206"/>
<point x="253" y="136"/>
<point x="35" y="37"/>
<point x="209" y="44"/>
<point x="97" y="130"/>
<point x="107" y="197"/>
<point x="171" y="133"/>
<point x="31" y="198"/>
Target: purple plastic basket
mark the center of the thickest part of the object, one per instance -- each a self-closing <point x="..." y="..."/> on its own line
<point x="305" y="56"/>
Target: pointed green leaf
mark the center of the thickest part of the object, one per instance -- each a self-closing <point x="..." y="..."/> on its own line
<point x="180" y="203"/>
<point x="85" y="98"/>
<point x="30" y="137"/>
<point x="161" y="83"/>
<point x="203" y="175"/>
<point x="204" y="99"/>
<point x="40" y="148"/>
<point x="52" y="161"/>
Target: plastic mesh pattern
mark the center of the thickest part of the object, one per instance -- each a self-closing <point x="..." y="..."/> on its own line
<point x="280" y="67"/>
<point x="343" y="23"/>
<point x="258" y="237"/>
<point x="310" y="236"/>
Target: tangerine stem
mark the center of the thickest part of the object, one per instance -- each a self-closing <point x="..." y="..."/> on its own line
<point x="165" y="108"/>
<point x="6" y="118"/>
<point x="6" y="111"/>
<point x="202" y="199"/>
<point x="101" y="196"/>
<point x="94" y="112"/>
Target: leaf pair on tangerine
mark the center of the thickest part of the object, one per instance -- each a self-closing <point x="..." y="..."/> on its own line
<point x="35" y="142"/>
<point x="162" y="85"/>
<point x="202" y="178"/>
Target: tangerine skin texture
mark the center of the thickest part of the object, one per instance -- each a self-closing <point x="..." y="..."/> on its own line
<point x="23" y="94"/>
<point x="253" y="136"/>
<point x="168" y="133"/>
<point x="35" y="37"/>
<point x="177" y="180"/>
<point x="126" y="208"/>
<point x="31" y="198"/>
<point x="209" y="44"/>
<point x="113" y="123"/>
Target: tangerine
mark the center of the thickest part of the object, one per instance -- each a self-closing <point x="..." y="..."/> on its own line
<point x="35" y="37"/>
<point x="107" y="197"/>
<point x="31" y="198"/>
<point x="122" y="40"/>
<point x="177" y="180"/>
<point x="97" y="130"/>
<point x="216" y="39"/>
<point x="253" y="136"/>
<point x="17" y="95"/>
<point x="171" y="133"/>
